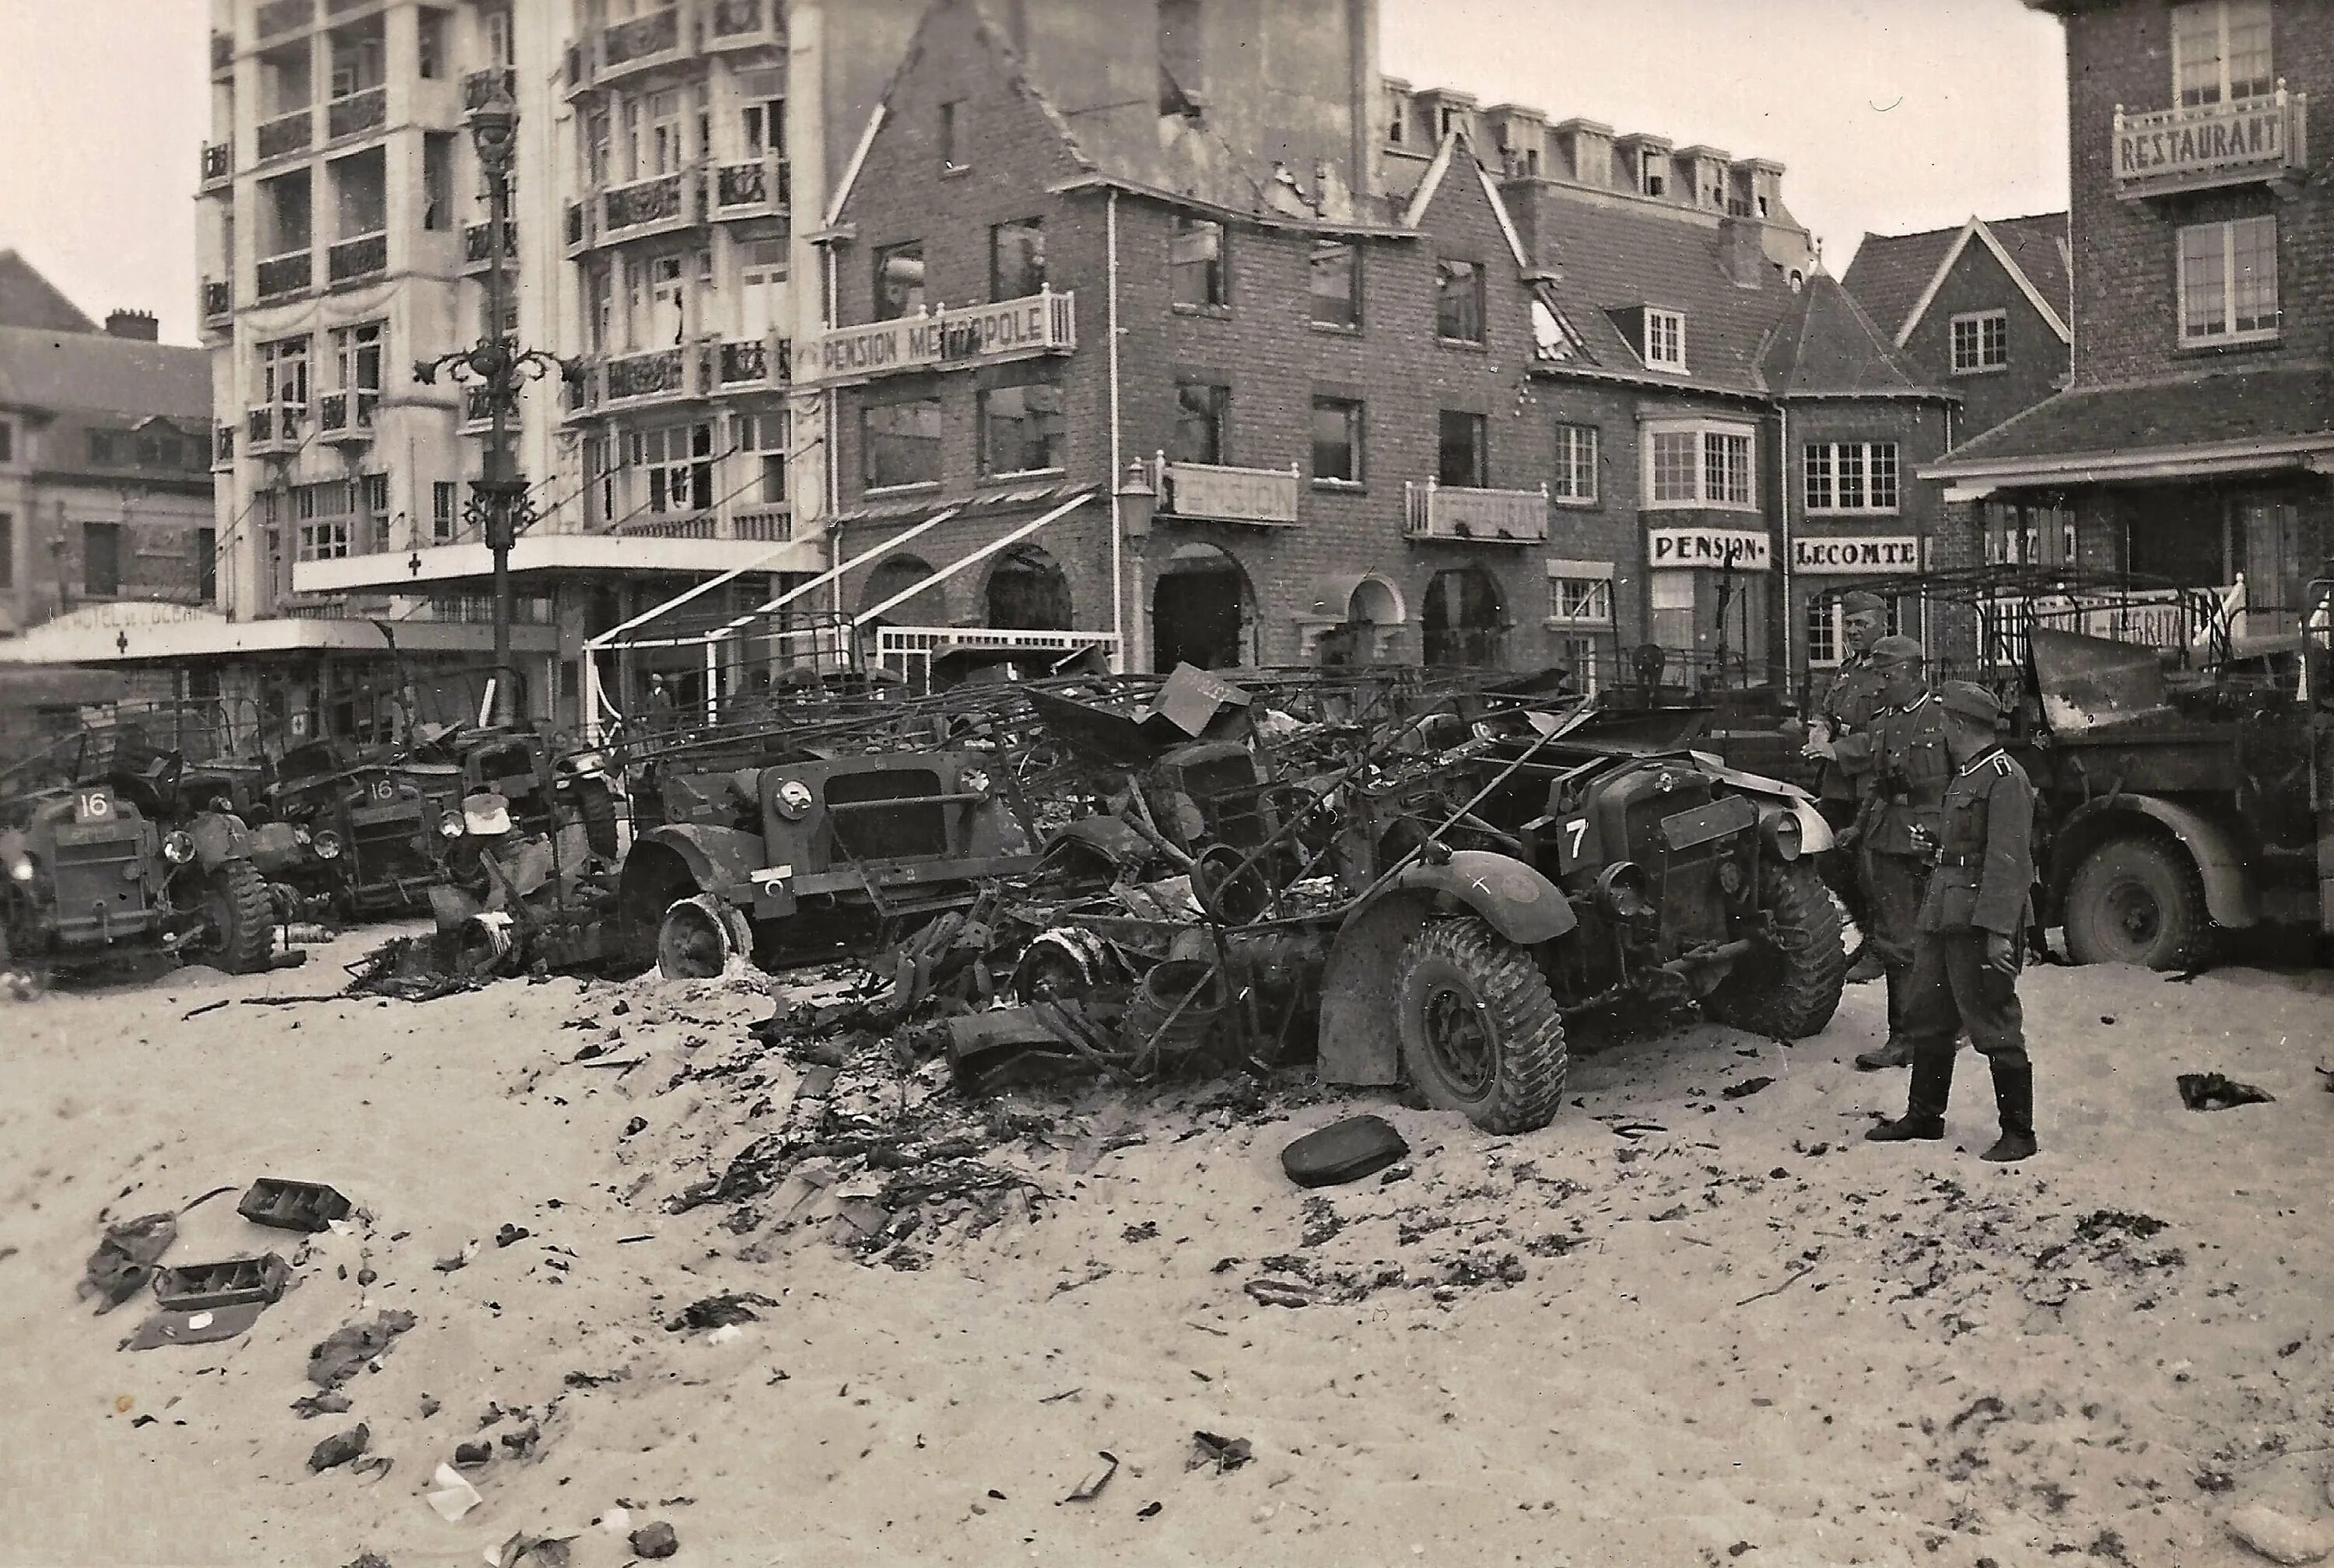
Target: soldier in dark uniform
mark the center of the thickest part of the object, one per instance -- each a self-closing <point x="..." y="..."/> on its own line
<point x="1966" y="960"/>
<point x="1898" y="828"/>
<point x="1839" y="738"/>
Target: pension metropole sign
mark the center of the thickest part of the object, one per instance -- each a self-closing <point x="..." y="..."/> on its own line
<point x="1045" y="323"/>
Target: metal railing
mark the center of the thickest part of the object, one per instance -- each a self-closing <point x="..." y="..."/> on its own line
<point x="287" y="274"/>
<point x="287" y="133"/>
<point x="358" y="257"/>
<point x="218" y="161"/>
<point x="629" y="43"/>
<point x="479" y="85"/>
<point x="479" y="242"/>
<point x="356" y="113"/>
<point x="2196" y="147"/>
<point x="219" y="298"/>
<point x="662" y="199"/>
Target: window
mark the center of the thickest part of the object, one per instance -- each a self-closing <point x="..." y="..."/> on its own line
<point x="1459" y="301"/>
<point x="1337" y="283"/>
<point x="1581" y="599"/>
<point x="764" y="126"/>
<point x="1202" y="411"/>
<point x="1021" y="428"/>
<point x="1580" y="656"/>
<point x="953" y="148"/>
<point x="443" y="511"/>
<point x="765" y="437"/>
<point x="2220" y="50"/>
<point x="101" y="449"/>
<point x="1669" y="606"/>
<point x="205" y="561"/>
<point x="101" y="555"/>
<point x="284" y="372"/>
<point x="1195" y="259"/>
<point x="1981" y="341"/>
<point x="1460" y="455"/>
<point x="356" y="364"/>
<point x="2228" y="282"/>
<point x="8" y="441"/>
<point x="900" y="443"/>
<point x="679" y="461"/>
<point x="7" y="550"/>
<point x="327" y="526"/>
<point x="1851" y="477"/>
<point x="438" y="179"/>
<point x="1336" y="441"/>
<point x="762" y="272"/>
<point x="1656" y="178"/>
<point x="1665" y="340"/>
<point x="1699" y="465"/>
<point x="495" y="21"/>
<point x="1823" y="633"/>
<point x="899" y="280"/>
<point x="1016" y="259"/>
<point x="1575" y="479"/>
<point x="430" y="42"/>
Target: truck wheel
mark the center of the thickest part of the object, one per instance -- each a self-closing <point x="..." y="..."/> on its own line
<point x="242" y="917"/>
<point x="1790" y="990"/>
<point x="2138" y="901"/>
<point x="698" y="938"/>
<point x="1480" y="1032"/>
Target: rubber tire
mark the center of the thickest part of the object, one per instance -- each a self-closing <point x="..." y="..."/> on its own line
<point x="1527" y="1082"/>
<point x="235" y="895"/>
<point x="698" y="938"/>
<point x="2184" y="935"/>
<point x="1791" y="991"/>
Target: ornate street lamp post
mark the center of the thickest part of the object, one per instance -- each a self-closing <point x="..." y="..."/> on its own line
<point x="498" y="504"/>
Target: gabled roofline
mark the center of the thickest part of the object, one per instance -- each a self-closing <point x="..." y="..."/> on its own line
<point x="1429" y="182"/>
<point x="1975" y="227"/>
<point x="842" y="187"/>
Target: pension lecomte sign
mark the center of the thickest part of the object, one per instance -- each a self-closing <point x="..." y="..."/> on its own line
<point x="1711" y="549"/>
<point x="1043" y="323"/>
<point x="1861" y="554"/>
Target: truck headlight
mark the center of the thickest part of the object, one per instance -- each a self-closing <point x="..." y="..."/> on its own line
<point x="794" y="800"/>
<point x="449" y="827"/>
<point x="1782" y="831"/>
<point x="974" y="780"/>
<point x="327" y="844"/>
<point x="178" y="847"/>
<point x="1622" y="891"/>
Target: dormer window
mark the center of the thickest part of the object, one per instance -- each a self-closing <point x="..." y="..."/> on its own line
<point x="1655" y="182"/>
<point x="1665" y="340"/>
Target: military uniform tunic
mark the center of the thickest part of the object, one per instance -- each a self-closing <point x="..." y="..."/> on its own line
<point x="1985" y="865"/>
<point x="1902" y="823"/>
<point x="1851" y="703"/>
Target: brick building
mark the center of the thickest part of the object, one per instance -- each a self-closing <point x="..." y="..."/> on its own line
<point x="1984" y="308"/>
<point x="2196" y="445"/>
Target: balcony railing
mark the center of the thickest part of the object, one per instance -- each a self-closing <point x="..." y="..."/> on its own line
<point x="657" y="373"/>
<point x="764" y="524"/>
<point x="479" y="242"/>
<point x="731" y="21"/>
<point x="747" y="361"/>
<point x="218" y="161"/>
<point x="1432" y="511"/>
<point x="222" y="446"/>
<point x="346" y="415"/>
<point x="477" y="405"/>
<point x="1222" y="493"/>
<point x="1043" y="323"/>
<point x="578" y="225"/>
<point x="286" y="133"/>
<point x="698" y="526"/>
<point x="287" y="274"/>
<point x="631" y="46"/>
<point x="219" y="298"/>
<point x="283" y="16"/>
<point x="2245" y="141"/>
<point x="274" y="427"/>
<point x="357" y="113"/>
<point x="479" y="85"/>
<point x="359" y="257"/>
<point x="660" y="200"/>
<point x="752" y="189"/>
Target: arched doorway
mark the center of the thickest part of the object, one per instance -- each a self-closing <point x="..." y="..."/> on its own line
<point x="1359" y="620"/>
<point x="1462" y="619"/>
<point x="1028" y="592"/>
<point x="1201" y="609"/>
<point x="893" y="575"/>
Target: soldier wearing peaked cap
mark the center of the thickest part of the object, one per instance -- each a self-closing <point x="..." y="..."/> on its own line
<point x="1970" y="943"/>
<point x="1898" y="826"/>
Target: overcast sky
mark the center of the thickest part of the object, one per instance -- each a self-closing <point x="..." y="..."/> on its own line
<point x="1890" y="114"/>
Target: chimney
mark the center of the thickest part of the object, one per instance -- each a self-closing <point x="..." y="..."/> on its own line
<point x="1743" y="251"/>
<point x="139" y="325"/>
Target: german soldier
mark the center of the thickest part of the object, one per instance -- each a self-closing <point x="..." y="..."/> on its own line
<point x="1898" y="828"/>
<point x="1966" y="959"/>
<point x="1839" y="738"/>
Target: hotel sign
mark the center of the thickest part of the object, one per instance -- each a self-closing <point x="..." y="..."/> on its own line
<point x="1712" y="549"/>
<point x="1860" y="555"/>
<point x="1039" y="324"/>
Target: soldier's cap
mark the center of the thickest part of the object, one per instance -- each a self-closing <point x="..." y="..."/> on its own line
<point x="1862" y="603"/>
<point x="1895" y="650"/>
<point x="1970" y="701"/>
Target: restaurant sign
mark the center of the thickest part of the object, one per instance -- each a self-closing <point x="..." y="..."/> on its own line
<point x="2214" y="137"/>
<point x="1712" y="549"/>
<point x="1856" y="555"/>
<point x="1038" y="324"/>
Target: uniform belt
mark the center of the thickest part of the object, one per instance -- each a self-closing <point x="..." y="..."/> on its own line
<point x="1960" y="860"/>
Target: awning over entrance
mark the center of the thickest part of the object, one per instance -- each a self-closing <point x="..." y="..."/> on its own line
<point x="2245" y="422"/>
<point x="535" y="553"/>
<point x="137" y="631"/>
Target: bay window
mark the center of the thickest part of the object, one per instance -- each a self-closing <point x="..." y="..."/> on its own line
<point x="1700" y="465"/>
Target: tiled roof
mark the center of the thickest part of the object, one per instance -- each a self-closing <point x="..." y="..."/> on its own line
<point x="29" y="300"/>
<point x="1825" y="346"/>
<point x="2038" y="246"/>
<point x="2204" y="410"/>
<point x="1890" y="271"/>
<point x="94" y="373"/>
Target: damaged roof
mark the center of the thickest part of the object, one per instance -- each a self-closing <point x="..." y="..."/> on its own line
<point x="96" y="373"/>
<point x="2265" y="407"/>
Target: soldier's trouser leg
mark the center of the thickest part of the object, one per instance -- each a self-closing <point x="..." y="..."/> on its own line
<point x="1987" y="1000"/>
<point x="1895" y="886"/>
<point x="1932" y="1022"/>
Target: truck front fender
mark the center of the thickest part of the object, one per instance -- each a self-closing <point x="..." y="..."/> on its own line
<point x="1360" y="1041"/>
<point x="2219" y="858"/>
<point x="219" y="837"/>
<point x="720" y="860"/>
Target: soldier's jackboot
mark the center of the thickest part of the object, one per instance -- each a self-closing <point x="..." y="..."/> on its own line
<point x="1894" y="1051"/>
<point x="1867" y="966"/>
<point x="2013" y="1098"/>
<point x="1924" y="1111"/>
